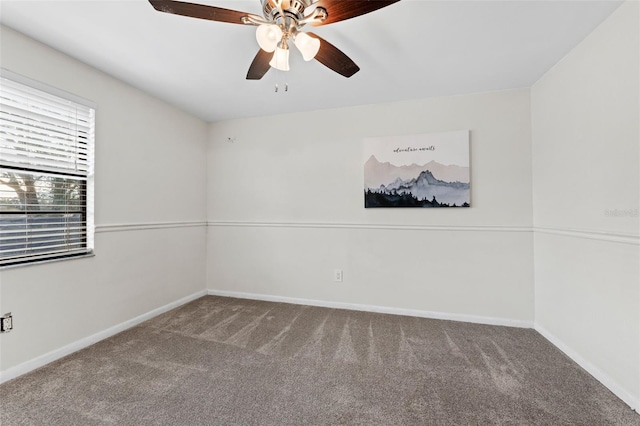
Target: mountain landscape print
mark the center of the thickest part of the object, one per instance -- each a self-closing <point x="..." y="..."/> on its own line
<point x="430" y="170"/>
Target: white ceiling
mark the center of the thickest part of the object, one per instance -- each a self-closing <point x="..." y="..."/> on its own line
<point x="411" y="49"/>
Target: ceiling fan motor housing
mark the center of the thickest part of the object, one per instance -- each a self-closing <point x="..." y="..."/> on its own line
<point x="293" y="8"/>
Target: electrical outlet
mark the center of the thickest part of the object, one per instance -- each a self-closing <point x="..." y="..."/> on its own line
<point x="6" y="323"/>
<point x="337" y="275"/>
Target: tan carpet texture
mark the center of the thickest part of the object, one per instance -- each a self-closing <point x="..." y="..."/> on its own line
<point x="225" y="361"/>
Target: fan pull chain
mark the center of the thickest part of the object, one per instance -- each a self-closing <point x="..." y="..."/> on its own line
<point x="286" y="87"/>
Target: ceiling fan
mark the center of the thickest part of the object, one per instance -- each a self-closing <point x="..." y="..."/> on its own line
<point x="282" y="22"/>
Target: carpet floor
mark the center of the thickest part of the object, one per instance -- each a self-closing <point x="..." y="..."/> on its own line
<point x="225" y="361"/>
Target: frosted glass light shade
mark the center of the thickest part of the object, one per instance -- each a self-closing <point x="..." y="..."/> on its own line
<point x="268" y="36"/>
<point x="280" y="60"/>
<point x="307" y="45"/>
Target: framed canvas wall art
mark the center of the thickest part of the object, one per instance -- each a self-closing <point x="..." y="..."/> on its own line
<point x="428" y="170"/>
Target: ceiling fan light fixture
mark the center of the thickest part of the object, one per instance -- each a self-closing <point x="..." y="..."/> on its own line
<point x="268" y="36"/>
<point x="282" y="20"/>
<point x="280" y="60"/>
<point x="307" y="45"/>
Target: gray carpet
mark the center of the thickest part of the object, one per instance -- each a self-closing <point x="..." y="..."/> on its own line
<point x="223" y="361"/>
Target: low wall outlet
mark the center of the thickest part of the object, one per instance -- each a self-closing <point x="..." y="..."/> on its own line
<point x="6" y="323"/>
<point x="337" y="275"/>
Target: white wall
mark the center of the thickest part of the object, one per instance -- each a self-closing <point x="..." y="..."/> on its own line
<point x="586" y="164"/>
<point x="150" y="215"/>
<point x="286" y="209"/>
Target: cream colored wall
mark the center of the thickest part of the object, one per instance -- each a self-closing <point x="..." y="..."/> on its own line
<point x="586" y="165"/>
<point x="150" y="214"/>
<point x="286" y="209"/>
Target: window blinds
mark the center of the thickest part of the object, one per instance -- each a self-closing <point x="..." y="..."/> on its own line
<point x="46" y="157"/>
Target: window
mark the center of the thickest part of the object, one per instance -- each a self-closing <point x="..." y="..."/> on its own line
<point x="46" y="172"/>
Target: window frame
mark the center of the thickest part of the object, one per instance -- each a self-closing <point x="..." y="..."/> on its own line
<point x="86" y="209"/>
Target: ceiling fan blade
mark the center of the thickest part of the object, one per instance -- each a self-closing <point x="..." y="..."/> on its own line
<point x="339" y="10"/>
<point x="260" y="65"/>
<point x="201" y="11"/>
<point x="333" y="58"/>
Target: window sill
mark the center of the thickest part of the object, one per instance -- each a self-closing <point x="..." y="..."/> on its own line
<point x="41" y="262"/>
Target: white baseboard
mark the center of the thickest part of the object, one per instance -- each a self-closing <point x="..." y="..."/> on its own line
<point x="598" y="374"/>
<point x="380" y="309"/>
<point x="56" y="354"/>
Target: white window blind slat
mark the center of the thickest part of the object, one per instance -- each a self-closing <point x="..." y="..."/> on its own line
<point x="41" y="123"/>
<point x="45" y="252"/>
<point x="38" y="100"/>
<point x="40" y="159"/>
<point x="29" y="134"/>
<point x="39" y="143"/>
<point x="60" y="152"/>
<point x="57" y="244"/>
<point x="67" y="234"/>
<point x="28" y="113"/>
<point x="42" y="242"/>
<point x="16" y="235"/>
<point x="51" y="255"/>
<point x="24" y="133"/>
